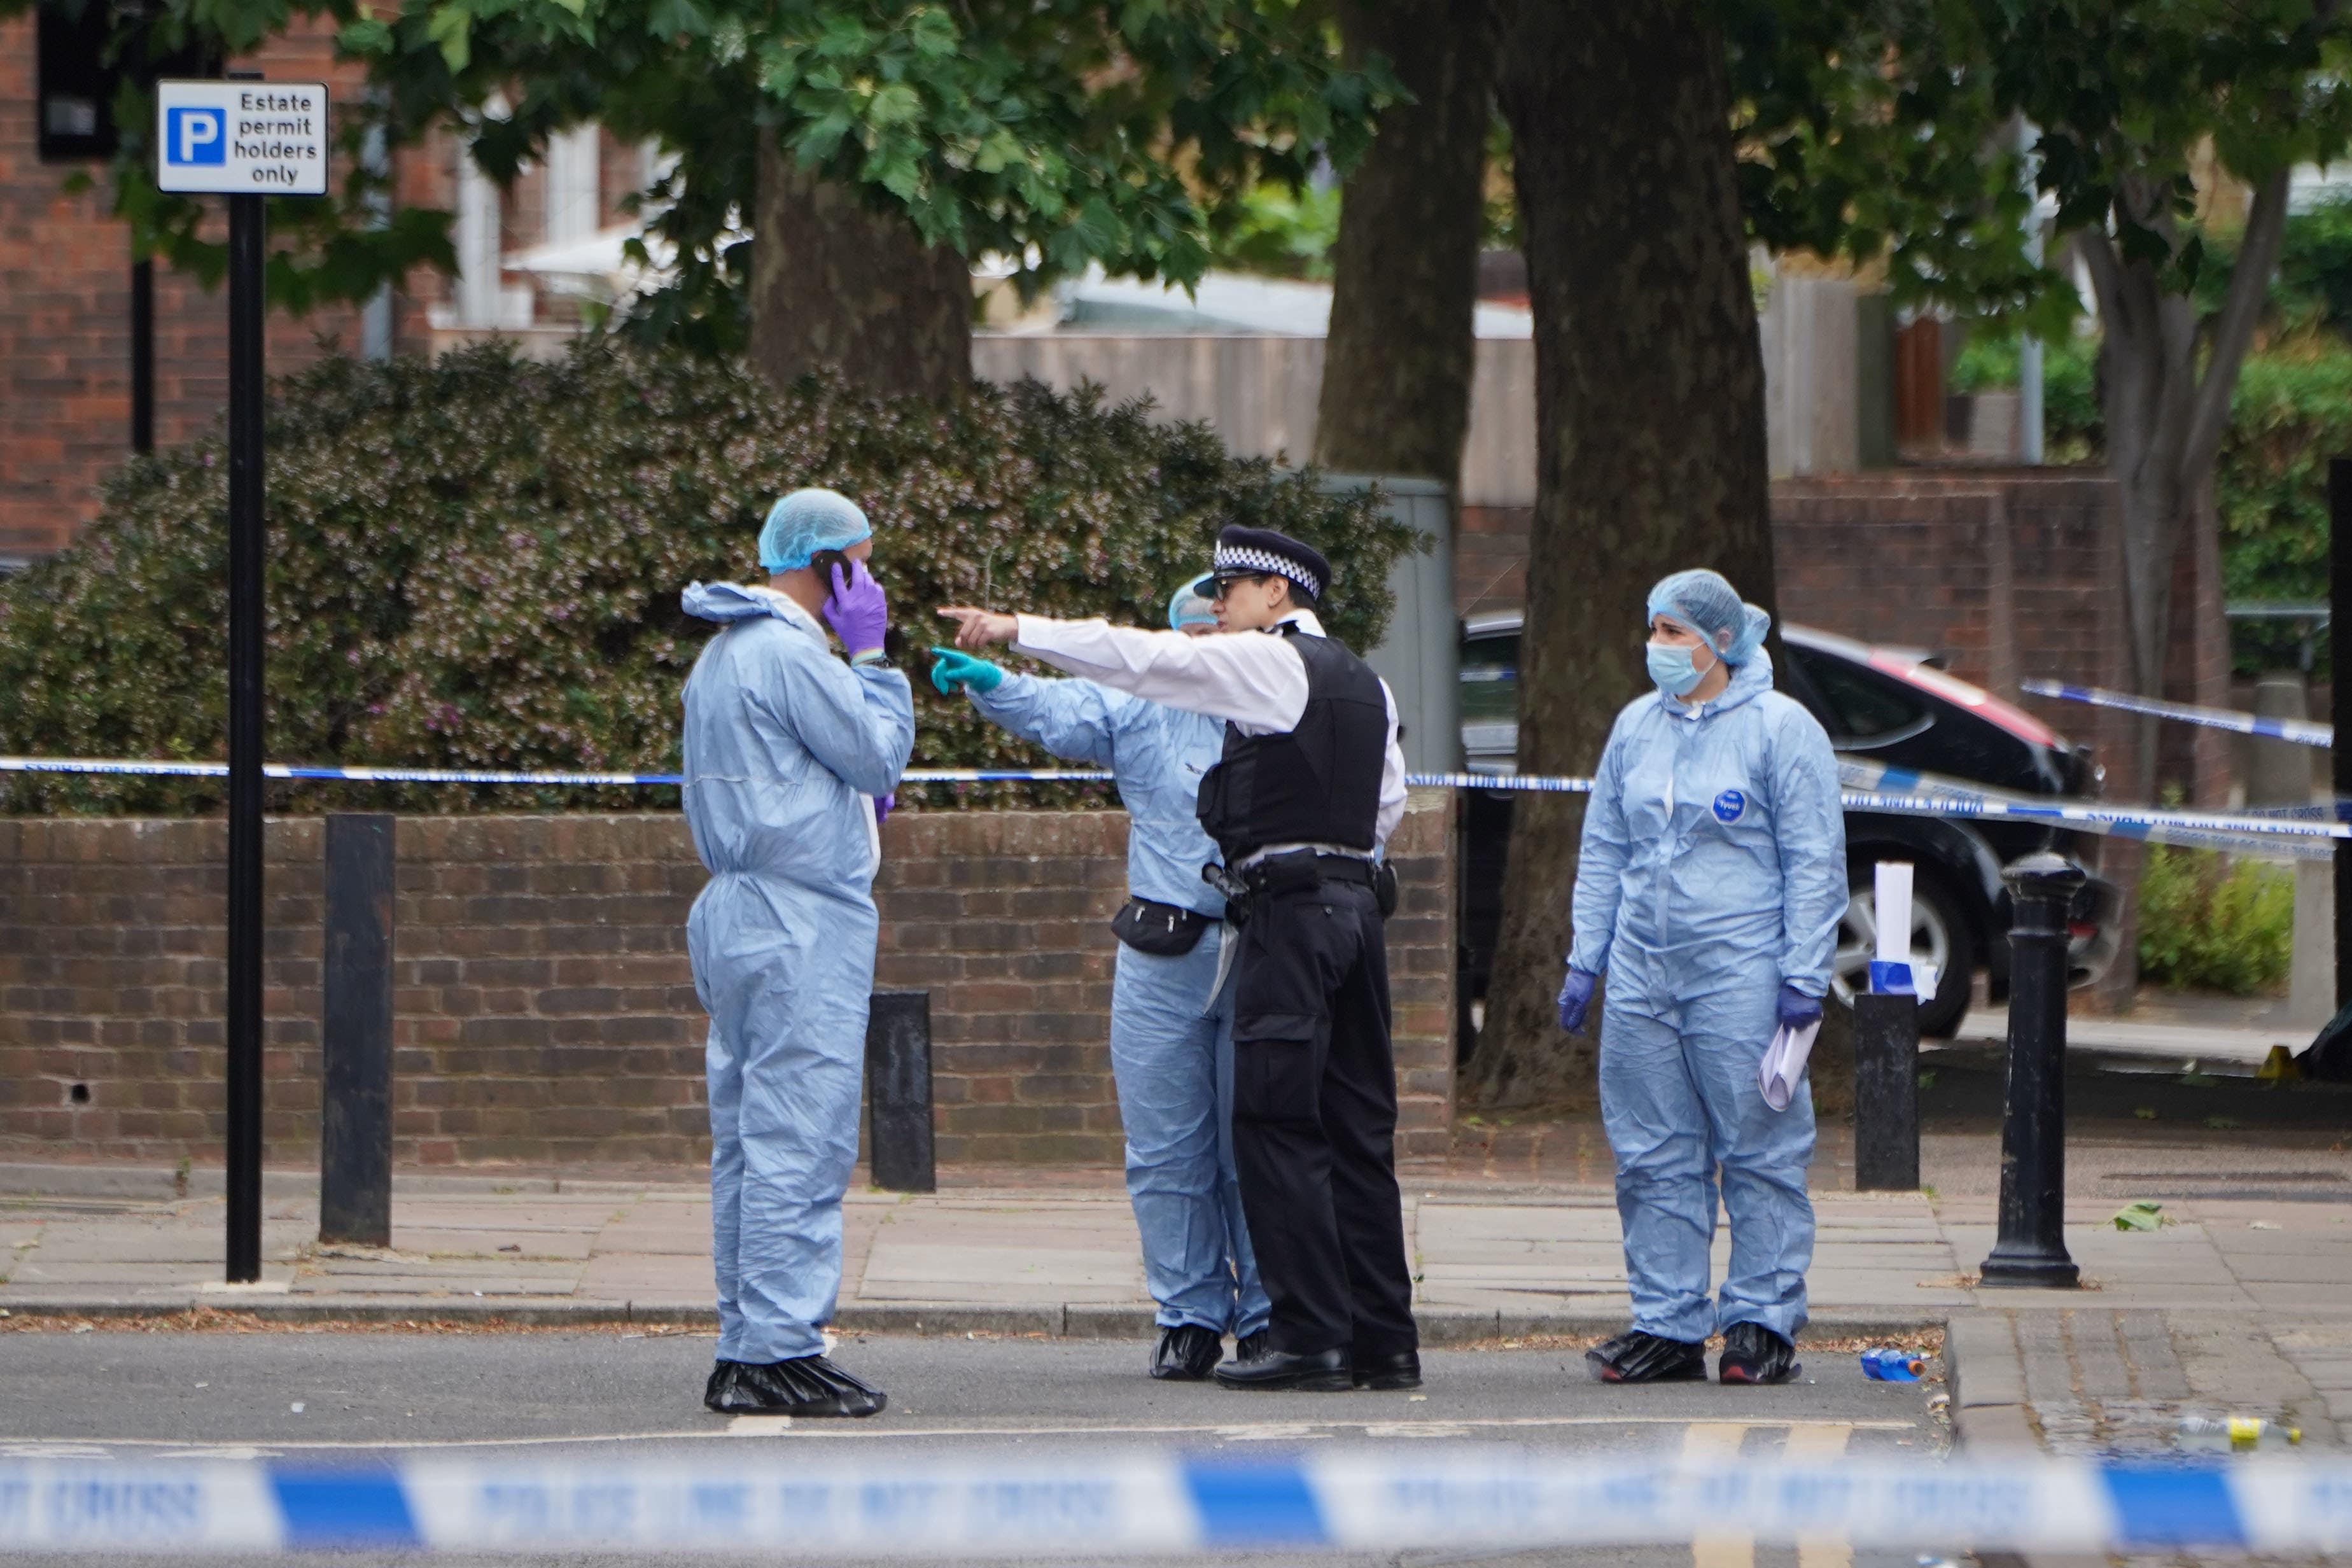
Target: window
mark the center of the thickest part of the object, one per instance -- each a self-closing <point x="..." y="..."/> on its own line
<point x="1867" y="707"/>
<point x="78" y="79"/>
<point x="1490" y="681"/>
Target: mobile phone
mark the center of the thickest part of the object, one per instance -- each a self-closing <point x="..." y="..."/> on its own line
<point x="823" y="562"/>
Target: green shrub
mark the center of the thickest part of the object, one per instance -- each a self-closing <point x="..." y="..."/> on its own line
<point x="474" y="561"/>
<point x="2214" y="924"/>
<point x="2073" y="427"/>
<point x="2290" y="412"/>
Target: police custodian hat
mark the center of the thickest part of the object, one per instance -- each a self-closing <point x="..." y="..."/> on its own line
<point x="1248" y="552"/>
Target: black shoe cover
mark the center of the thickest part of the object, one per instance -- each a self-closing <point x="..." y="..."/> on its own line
<point x="722" y="1378"/>
<point x="1636" y="1356"/>
<point x="1754" y="1353"/>
<point x="1251" y="1347"/>
<point x="804" y="1385"/>
<point x="1188" y="1353"/>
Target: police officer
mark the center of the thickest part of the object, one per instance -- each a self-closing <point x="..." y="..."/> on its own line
<point x="1309" y="787"/>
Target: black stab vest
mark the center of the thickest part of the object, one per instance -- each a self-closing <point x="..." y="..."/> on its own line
<point x="1319" y="783"/>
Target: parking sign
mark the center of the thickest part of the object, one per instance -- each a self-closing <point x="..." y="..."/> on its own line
<point x="196" y="136"/>
<point x="241" y="138"/>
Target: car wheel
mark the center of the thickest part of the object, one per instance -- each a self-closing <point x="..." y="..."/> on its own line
<point x="1940" y="933"/>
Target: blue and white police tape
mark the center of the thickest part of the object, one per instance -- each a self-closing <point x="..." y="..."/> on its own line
<point x="1884" y="789"/>
<point x="2302" y="731"/>
<point x="2263" y="835"/>
<point x="1157" y="1502"/>
<point x="567" y="777"/>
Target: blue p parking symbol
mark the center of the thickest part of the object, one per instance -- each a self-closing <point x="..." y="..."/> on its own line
<point x="195" y="136"/>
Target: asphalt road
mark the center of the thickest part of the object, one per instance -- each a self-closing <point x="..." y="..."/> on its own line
<point x="128" y="1396"/>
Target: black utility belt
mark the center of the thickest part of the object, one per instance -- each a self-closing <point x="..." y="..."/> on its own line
<point x="1303" y="869"/>
<point x="1162" y="931"/>
<point x="1297" y="871"/>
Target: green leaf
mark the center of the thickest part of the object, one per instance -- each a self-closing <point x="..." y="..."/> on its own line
<point x="2141" y="1216"/>
<point x="366" y="36"/>
<point x="933" y="32"/>
<point x="452" y="27"/>
<point x="896" y="104"/>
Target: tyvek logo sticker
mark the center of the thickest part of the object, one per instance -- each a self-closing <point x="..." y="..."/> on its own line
<point x="1730" y="805"/>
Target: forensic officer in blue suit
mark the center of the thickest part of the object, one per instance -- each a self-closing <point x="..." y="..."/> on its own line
<point x="1708" y="888"/>
<point x="790" y="754"/>
<point x="1172" y="1018"/>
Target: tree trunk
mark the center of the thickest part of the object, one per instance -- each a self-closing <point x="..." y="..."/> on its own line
<point x="2167" y="379"/>
<point x="1650" y="434"/>
<point x="836" y="283"/>
<point x="1398" y="363"/>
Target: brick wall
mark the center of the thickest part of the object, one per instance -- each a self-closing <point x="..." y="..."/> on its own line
<point x="545" y="1011"/>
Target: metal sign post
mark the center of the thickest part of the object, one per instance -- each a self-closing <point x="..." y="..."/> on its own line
<point x="245" y="139"/>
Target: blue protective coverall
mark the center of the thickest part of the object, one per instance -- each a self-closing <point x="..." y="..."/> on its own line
<point x="1171" y="1025"/>
<point x="786" y="745"/>
<point x="1712" y="870"/>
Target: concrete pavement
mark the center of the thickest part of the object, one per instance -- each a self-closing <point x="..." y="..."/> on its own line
<point x="2238" y="1303"/>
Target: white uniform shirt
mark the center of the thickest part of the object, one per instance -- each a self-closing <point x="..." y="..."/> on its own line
<point x="1255" y="681"/>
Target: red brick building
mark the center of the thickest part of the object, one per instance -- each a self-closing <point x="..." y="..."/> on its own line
<point x="66" y="285"/>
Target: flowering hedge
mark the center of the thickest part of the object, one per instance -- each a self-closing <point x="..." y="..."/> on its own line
<point x="474" y="561"/>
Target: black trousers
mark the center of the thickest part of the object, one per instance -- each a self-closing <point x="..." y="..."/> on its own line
<point x="1315" y="1121"/>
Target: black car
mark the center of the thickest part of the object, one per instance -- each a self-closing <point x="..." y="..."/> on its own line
<point x="1888" y="705"/>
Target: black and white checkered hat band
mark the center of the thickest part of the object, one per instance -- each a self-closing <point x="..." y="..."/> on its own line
<point x="1232" y="559"/>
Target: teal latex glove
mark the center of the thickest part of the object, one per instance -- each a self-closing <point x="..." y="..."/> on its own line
<point x="952" y="669"/>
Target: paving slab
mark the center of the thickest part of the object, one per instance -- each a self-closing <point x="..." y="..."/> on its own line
<point x="899" y="1271"/>
<point x="435" y="1285"/>
<point x="626" y="1277"/>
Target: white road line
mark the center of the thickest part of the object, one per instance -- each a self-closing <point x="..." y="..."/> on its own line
<point x="1718" y="1443"/>
<point x="820" y="1431"/>
<point x="1820" y="1445"/>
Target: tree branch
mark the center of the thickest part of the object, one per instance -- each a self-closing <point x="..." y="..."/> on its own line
<point x="2099" y="259"/>
<point x="2233" y="329"/>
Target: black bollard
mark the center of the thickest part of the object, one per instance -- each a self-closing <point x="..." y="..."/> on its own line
<point x="355" y="1033"/>
<point x="899" y="1091"/>
<point x="1885" y="1093"/>
<point x="2031" y="1249"/>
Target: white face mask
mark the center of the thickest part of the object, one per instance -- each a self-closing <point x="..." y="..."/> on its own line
<point x="1672" y="669"/>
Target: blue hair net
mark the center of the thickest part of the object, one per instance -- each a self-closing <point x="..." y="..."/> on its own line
<point x="1710" y="606"/>
<point x="1194" y="602"/>
<point x="806" y="521"/>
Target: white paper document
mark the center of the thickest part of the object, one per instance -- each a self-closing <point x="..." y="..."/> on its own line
<point x="1784" y="1063"/>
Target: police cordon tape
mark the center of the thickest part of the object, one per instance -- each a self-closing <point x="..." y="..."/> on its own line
<point x="2230" y="833"/>
<point x="2302" y="731"/>
<point x="1871" y="786"/>
<point x="1159" y="1502"/>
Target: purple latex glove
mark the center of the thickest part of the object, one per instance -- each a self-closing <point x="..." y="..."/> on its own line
<point x="857" y="611"/>
<point x="1575" y="1000"/>
<point x="1797" y="1010"/>
<point x="884" y="804"/>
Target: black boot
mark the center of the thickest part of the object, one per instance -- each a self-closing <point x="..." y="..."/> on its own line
<point x="722" y="1378"/>
<point x="1636" y="1356"/>
<point x="1754" y="1353"/>
<point x="1250" y="1347"/>
<point x="1188" y="1353"/>
<point x="1324" y="1372"/>
<point x="804" y="1385"/>
<point x="1388" y="1373"/>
